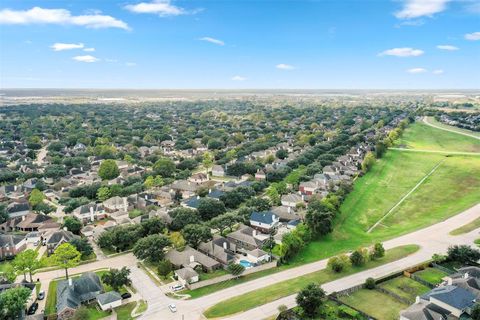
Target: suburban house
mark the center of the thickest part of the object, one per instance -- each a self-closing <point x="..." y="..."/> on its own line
<point x="453" y="300"/>
<point x="220" y="249"/>
<point x="264" y="221"/>
<point x="31" y="222"/>
<point x="72" y="293"/>
<point x="192" y="258"/>
<point x="11" y="245"/>
<point x="89" y="212"/>
<point x="199" y="177"/>
<point x="246" y="238"/>
<point x="185" y="187"/>
<point x="109" y="300"/>
<point x="291" y="199"/>
<point x="187" y="275"/>
<point x="192" y="202"/>
<point x="260" y="175"/>
<point x="115" y="204"/>
<point x="57" y="238"/>
<point x="258" y="256"/>
<point x="308" y="187"/>
<point x="18" y="209"/>
<point x="218" y="171"/>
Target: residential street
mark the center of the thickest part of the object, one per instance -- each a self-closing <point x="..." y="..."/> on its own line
<point x="425" y="120"/>
<point x="433" y="239"/>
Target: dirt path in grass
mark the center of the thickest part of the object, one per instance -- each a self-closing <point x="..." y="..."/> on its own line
<point x="405" y="196"/>
<point x="425" y="120"/>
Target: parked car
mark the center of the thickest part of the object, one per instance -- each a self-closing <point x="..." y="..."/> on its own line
<point x="36" y="243"/>
<point x="178" y="287"/>
<point x="41" y="295"/>
<point x="126" y="295"/>
<point x="172" y="307"/>
<point x="33" y="308"/>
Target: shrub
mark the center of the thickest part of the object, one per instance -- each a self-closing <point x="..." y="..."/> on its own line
<point x="370" y="283"/>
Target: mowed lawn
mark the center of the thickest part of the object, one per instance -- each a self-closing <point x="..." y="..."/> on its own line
<point x="279" y="290"/>
<point x="449" y="127"/>
<point x="424" y="137"/>
<point x="375" y="303"/>
<point x="451" y="189"/>
<point x="405" y="287"/>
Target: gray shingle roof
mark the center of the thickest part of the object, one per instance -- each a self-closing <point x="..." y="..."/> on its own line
<point x="108" y="297"/>
<point x="456" y="297"/>
<point x="263" y="217"/>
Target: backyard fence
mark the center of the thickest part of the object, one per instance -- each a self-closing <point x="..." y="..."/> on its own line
<point x="227" y="277"/>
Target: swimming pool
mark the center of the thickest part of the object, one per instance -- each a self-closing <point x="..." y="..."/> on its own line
<point x="245" y="263"/>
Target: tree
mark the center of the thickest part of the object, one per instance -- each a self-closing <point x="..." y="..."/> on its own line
<point x="164" y="268"/>
<point x="357" y="258"/>
<point x="194" y="234"/>
<point x="475" y="311"/>
<point x="153" y="225"/>
<point x="104" y="193"/>
<point x="291" y="245"/>
<point x="108" y="170"/>
<point x="26" y="261"/>
<point x="207" y="161"/>
<point x="36" y="197"/>
<point x="338" y="263"/>
<point x="3" y="213"/>
<point x="439" y="258"/>
<point x="223" y="222"/>
<point x="81" y="313"/>
<point x="151" y="248"/>
<point x="9" y="273"/>
<point x="463" y="254"/>
<point x="72" y="224"/>
<point x="378" y="250"/>
<point x="66" y="256"/>
<point x="83" y="246"/>
<point x="117" y="278"/>
<point x="210" y="208"/>
<point x="310" y="299"/>
<point x="13" y="301"/>
<point x="368" y="162"/>
<point x="235" y="269"/>
<point x="177" y="240"/>
<point x="319" y="217"/>
<point x="370" y="283"/>
<point x="165" y="167"/>
<point x="183" y="216"/>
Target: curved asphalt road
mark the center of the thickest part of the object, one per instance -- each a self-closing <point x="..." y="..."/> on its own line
<point x="433" y="239"/>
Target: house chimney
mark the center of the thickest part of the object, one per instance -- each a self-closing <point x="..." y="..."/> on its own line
<point x="209" y="191"/>
<point x="289" y="209"/>
<point x="92" y="215"/>
<point x="254" y="233"/>
<point x="146" y="197"/>
<point x="198" y="197"/>
<point x="70" y="282"/>
<point x="23" y="218"/>
<point x="303" y="197"/>
<point x="192" y="258"/>
<point x="225" y="245"/>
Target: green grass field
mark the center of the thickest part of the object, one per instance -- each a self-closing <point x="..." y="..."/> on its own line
<point x="451" y="189"/>
<point x="466" y="228"/>
<point x="446" y="126"/>
<point x="274" y="292"/>
<point x="405" y="287"/>
<point x="423" y="137"/>
<point x="375" y="303"/>
<point x="431" y="275"/>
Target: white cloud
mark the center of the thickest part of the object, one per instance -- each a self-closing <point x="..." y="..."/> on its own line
<point x="473" y="36"/>
<point x="283" y="66"/>
<point x="86" y="58"/>
<point x="438" y="71"/>
<point x="89" y="49"/>
<point x="416" y="70"/>
<point x="213" y="40"/>
<point x="419" y="8"/>
<point x="447" y="47"/>
<point x="38" y="15"/>
<point x="402" y="52"/>
<point x="66" y="46"/>
<point x="161" y="7"/>
<point x="130" y="64"/>
<point x="239" y="78"/>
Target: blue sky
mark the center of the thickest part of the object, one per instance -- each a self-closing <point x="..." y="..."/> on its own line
<point x="383" y="44"/>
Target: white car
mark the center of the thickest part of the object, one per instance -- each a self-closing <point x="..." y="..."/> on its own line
<point x="172" y="307"/>
<point x="178" y="287"/>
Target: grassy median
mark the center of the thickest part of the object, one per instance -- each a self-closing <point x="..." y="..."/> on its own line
<point x="274" y="292"/>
